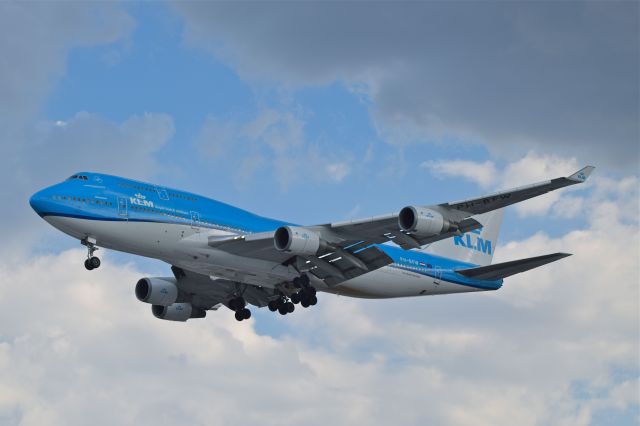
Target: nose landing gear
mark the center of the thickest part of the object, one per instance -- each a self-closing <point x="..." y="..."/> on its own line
<point x="92" y="262"/>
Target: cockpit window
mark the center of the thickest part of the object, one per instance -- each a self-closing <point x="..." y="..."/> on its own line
<point x="81" y="177"/>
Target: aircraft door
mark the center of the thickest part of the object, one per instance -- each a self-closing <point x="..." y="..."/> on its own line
<point x="437" y="274"/>
<point x="195" y="221"/>
<point x="162" y="194"/>
<point x="122" y="207"/>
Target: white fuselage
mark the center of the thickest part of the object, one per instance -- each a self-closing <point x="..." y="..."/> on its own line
<point x="187" y="247"/>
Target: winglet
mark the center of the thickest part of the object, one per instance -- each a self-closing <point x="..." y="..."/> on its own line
<point x="582" y="174"/>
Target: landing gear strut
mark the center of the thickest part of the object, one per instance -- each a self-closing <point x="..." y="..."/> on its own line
<point x="92" y="262"/>
<point x="306" y="296"/>
<point x="238" y="304"/>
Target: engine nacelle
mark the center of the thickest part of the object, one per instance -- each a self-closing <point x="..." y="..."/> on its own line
<point x="177" y="312"/>
<point x="421" y="221"/>
<point x="157" y="291"/>
<point x="297" y="240"/>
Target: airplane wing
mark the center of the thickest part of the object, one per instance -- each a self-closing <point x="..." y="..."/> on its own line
<point x="344" y="261"/>
<point x="385" y="228"/>
<point x="339" y="251"/>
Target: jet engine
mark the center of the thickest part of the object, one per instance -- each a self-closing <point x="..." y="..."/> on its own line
<point x="422" y="221"/>
<point x="157" y="291"/>
<point x="177" y="312"/>
<point x="297" y="240"/>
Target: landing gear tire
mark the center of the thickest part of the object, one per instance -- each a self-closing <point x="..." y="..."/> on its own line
<point x="295" y="298"/>
<point x="304" y="302"/>
<point x="273" y="305"/>
<point x="239" y="315"/>
<point x="246" y="313"/>
<point x="313" y="300"/>
<point x="87" y="264"/>
<point x="283" y="309"/>
<point x="290" y="307"/>
<point x="94" y="262"/>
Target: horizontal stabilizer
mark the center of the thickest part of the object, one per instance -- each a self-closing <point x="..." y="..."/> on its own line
<point x="502" y="270"/>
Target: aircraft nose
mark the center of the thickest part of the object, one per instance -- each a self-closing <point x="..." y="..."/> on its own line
<point x="38" y="201"/>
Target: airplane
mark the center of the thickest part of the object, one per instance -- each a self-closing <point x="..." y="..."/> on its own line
<point x="221" y="255"/>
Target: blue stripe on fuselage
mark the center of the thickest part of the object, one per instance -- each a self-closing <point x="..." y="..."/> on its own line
<point x="426" y="264"/>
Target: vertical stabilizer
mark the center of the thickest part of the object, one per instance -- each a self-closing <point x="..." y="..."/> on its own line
<point x="475" y="247"/>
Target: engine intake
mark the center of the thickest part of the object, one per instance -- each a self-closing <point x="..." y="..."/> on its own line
<point x="421" y="221"/>
<point x="177" y="312"/>
<point x="297" y="240"/>
<point x="157" y="291"/>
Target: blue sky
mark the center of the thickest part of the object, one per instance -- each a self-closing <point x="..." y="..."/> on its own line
<point x="314" y="113"/>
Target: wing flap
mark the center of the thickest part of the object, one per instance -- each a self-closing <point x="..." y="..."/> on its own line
<point x="502" y="270"/>
<point x="351" y="259"/>
<point x="371" y="258"/>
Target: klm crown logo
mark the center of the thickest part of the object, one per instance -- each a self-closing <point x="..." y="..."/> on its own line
<point x="141" y="200"/>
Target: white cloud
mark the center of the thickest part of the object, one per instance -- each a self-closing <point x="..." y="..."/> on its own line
<point x="529" y="169"/>
<point x="532" y="168"/>
<point x="273" y="142"/>
<point x="484" y="174"/>
<point x="337" y="171"/>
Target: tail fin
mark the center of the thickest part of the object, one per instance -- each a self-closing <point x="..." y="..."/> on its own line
<point x="475" y="247"/>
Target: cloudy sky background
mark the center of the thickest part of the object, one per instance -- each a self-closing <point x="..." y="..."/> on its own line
<point x="314" y="112"/>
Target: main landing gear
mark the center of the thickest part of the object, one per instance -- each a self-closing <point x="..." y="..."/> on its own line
<point x="282" y="305"/>
<point x="238" y="304"/>
<point x="306" y="297"/>
<point x="92" y="262"/>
